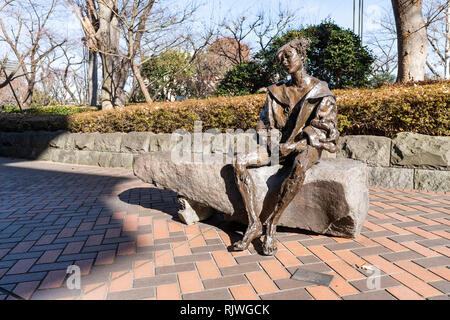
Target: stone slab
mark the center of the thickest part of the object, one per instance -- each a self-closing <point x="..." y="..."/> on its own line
<point x="396" y="178"/>
<point x="419" y="150"/>
<point x="334" y="199"/>
<point x="136" y="142"/>
<point x="432" y="180"/>
<point x="373" y="150"/>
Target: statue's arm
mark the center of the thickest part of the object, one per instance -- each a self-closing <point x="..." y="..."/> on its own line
<point x="326" y="119"/>
<point x="290" y="144"/>
<point x="322" y="131"/>
<point x="264" y="122"/>
<point x="287" y="147"/>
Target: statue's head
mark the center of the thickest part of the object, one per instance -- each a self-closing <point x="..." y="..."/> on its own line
<point x="291" y="56"/>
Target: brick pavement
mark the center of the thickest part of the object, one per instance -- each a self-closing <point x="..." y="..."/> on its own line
<point x="129" y="244"/>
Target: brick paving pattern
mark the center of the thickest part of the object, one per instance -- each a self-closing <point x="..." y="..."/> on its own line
<point x="128" y="242"/>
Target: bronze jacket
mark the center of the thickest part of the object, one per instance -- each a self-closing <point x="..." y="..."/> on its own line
<point x="302" y="113"/>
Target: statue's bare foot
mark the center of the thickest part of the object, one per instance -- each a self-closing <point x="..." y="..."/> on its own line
<point x="240" y="246"/>
<point x="270" y="246"/>
<point x="252" y="233"/>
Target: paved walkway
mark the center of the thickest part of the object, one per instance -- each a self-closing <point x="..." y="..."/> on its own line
<point x="126" y="239"/>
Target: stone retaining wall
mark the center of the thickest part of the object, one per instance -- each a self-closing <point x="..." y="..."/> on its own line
<point x="409" y="161"/>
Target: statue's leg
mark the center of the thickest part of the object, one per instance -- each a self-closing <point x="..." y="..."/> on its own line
<point x="246" y="187"/>
<point x="289" y="188"/>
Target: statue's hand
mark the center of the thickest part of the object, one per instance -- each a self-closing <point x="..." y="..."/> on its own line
<point x="261" y="126"/>
<point x="300" y="145"/>
<point x="287" y="148"/>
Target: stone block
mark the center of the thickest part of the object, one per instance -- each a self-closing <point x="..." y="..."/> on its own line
<point x="420" y="151"/>
<point x="8" y="151"/>
<point x="64" y="156"/>
<point x="136" y="142"/>
<point x="104" y="159"/>
<point x="161" y="142"/>
<point x="88" y="158"/>
<point x="45" y="154"/>
<point x="60" y="140"/>
<point x="16" y="139"/>
<point x="121" y="160"/>
<point x="84" y="141"/>
<point x="192" y="212"/>
<point x="432" y="180"/>
<point x="41" y="139"/>
<point x="373" y="150"/>
<point x="334" y="199"/>
<point x="395" y="178"/>
<point x="108" y="142"/>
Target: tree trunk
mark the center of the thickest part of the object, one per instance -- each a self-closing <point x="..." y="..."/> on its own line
<point x="411" y="40"/>
<point x="19" y="103"/>
<point x="93" y="78"/>
<point x="122" y="74"/>
<point x="112" y="71"/>
<point x="447" y="43"/>
<point x="140" y="80"/>
<point x="27" y="99"/>
<point x="108" y="90"/>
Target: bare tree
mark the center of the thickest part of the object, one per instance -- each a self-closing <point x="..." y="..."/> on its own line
<point x="100" y="23"/>
<point x="64" y="83"/>
<point x="69" y="78"/>
<point x="9" y="75"/>
<point x="30" y="42"/>
<point x="447" y="42"/>
<point x="231" y="46"/>
<point x="136" y="24"/>
<point x="4" y="3"/>
<point x="234" y="34"/>
<point x="435" y="21"/>
<point x="383" y="42"/>
<point x="126" y="34"/>
<point x="92" y="75"/>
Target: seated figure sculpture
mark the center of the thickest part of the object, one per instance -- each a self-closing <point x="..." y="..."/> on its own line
<point x="304" y="111"/>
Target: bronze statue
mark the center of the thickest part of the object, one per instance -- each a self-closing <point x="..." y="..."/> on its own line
<point x="304" y="111"/>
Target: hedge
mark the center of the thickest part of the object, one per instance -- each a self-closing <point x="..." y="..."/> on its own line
<point x="422" y="108"/>
<point x="58" y="109"/>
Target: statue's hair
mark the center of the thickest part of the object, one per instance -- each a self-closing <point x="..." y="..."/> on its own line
<point x="300" y="45"/>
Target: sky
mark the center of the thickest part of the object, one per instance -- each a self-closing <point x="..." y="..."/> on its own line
<point x="314" y="10"/>
<point x="308" y="11"/>
<point x="213" y="12"/>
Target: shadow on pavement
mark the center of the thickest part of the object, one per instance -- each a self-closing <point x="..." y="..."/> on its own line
<point x="55" y="215"/>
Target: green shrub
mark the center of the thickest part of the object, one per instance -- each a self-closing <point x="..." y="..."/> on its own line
<point x="171" y="70"/>
<point x="422" y="108"/>
<point x="336" y="55"/>
<point x="244" y="79"/>
<point x="19" y="122"/>
<point x="222" y="113"/>
<point x="9" y="109"/>
<point x="64" y="110"/>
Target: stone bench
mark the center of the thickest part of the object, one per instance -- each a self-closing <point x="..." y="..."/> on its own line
<point x="333" y="201"/>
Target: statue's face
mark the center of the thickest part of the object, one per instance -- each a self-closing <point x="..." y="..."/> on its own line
<point x="290" y="60"/>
